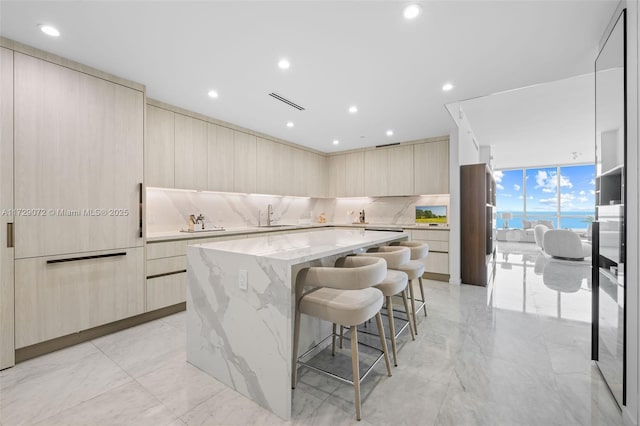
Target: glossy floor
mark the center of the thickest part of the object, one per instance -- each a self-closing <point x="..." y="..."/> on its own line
<point x="518" y="355"/>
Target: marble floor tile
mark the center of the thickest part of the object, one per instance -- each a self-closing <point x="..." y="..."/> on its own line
<point x="178" y="320"/>
<point x="179" y="385"/>
<point x="45" y="386"/>
<point x="228" y="407"/>
<point x="142" y="349"/>
<point x="129" y="404"/>
<point x="517" y="355"/>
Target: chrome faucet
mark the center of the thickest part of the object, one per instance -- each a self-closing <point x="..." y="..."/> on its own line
<point x="200" y="219"/>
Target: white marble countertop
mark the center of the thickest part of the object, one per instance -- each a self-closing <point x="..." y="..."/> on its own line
<point x="177" y="235"/>
<point x="305" y="246"/>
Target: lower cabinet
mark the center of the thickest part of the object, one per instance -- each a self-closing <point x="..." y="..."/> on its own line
<point x="60" y="295"/>
<point x="166" y="290"/>
<point x="437" y="262"/>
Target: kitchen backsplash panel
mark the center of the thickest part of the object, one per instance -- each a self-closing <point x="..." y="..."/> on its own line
<point x="168" y="209"/>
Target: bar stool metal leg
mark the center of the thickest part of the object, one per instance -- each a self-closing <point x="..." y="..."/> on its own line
<point x="424" y="300"/>
<point x="406" y="309"/>
<point x="383" y="342"/>
<point x="413" y="306"/>
<point x="355" y="362"/>
<point x="333" y="339"/>
<point x="296" y="343"/>
<point x="392" y="331"/>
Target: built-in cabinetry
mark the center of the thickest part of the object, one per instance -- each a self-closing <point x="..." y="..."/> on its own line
<point x="7" y="358"/>
<point x="437" y="261"/>
<point x="78" y="172"/>
<point x="477" y="203"/>
<point x="192" y="153"/>
<point x="431" y="167"/>
<point x="388" y="171"/>
<point x="411" y="169"/>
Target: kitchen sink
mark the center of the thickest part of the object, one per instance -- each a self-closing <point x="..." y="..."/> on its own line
<point x="272" y="226"/>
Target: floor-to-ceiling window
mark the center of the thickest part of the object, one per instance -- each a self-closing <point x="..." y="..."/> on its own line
<point x="561" y="195"/>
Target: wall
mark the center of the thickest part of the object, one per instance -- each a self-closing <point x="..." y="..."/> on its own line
<point x="168" y="209"/>
<point x="454" y="219"/>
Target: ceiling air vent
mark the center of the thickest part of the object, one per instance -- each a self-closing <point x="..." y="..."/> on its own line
<point x="286" y="101"/>
<point x="388" y="144"/>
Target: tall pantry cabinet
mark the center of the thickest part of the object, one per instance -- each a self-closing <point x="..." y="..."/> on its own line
<point x="6" y="204"/>
<point x="77" y="182"/>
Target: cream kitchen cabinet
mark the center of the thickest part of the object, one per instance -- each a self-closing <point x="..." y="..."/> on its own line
<point x="273" y="163"/>
<point x="190" y="153"/>
<point x="400" y="170"/>
<point x="337" y="177"/>
<point x="376" y="172"/>
<point x="7" y="357"/>
<point x="59" y="295"/>
<point x="221" y="158"/>
<point x="437" y="262"/>
<point x="244" y="162"/>
<point x="77" y="162"/>
<point x="354" y="174"/>
<point x="160" y="148"/>
<point x="166" y="282"/>
<point x="431" y="167"/>
<point x="317" y="184"/>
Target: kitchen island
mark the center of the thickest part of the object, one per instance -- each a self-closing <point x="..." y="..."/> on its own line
<point x="240" y="305"/>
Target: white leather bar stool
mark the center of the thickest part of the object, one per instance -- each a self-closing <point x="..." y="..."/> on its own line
<point x="414" y="269"/>
<point x="395" y="283"/>
<point x="342" y="295"/>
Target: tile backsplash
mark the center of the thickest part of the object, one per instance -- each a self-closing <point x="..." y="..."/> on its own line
<point x="168" y="209"/>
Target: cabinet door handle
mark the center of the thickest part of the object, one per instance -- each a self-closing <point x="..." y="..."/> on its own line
<point x="97" y="256"/>
<point x="140" y="209"/>
<point x="167" y="273"/>
<point x="9" y="235"/>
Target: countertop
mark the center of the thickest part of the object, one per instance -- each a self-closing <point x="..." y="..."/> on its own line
<point x="304" y="246"/>
<point x="177" y="235"/>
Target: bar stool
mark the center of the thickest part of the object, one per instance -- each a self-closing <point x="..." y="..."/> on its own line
<point x="342" y="295"/>
<point x="414" y="269"/>
<point x="395" y="283"/>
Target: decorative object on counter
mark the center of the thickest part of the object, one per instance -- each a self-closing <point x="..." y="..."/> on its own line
<point x="196" y="224"/>
<point x="322" y="218"/>
<point x="362" y="217"/>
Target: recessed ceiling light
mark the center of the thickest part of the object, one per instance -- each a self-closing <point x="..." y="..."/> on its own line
<point x="411" y="11"/>
<point x="49" y="30"/>
<point x="336" y="141"/>
<point x="289" y="123"/>
<point x="353" y="109"/>
<point x="447" y="86"/>
<point x="213" y="94"/>
<point x="389" y="132"/>
<point x="284" y="64"/>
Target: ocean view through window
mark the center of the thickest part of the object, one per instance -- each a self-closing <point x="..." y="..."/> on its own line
<point x="563" y="195"/>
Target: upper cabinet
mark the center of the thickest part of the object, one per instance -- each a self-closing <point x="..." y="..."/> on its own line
<point x="431" y="168"/>
<point x="78" y="160"/>
<point x="160" y="148"/>
<point x="190" y="153"/>
<point x="337" y="179"/>
<point x="354" y="174"/>
<point x="220" y="154"/>
<point x="244" y="162"/>
<point x="389" y="171"/>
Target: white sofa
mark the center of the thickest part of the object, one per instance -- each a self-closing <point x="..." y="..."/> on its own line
<point x="565" y="244"/>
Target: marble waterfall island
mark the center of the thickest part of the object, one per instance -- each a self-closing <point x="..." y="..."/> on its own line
<point x="240" y="301"/>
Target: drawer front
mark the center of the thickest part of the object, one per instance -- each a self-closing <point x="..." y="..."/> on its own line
<point x="437" y="263"/>
<point x="216" y="239"/>
<point x="56" y="299"/>
<point x="438" y="246"/>
<point x="166" y="291"/>
<point x="429" y="235"/>
<point x="166" y="265"/>
<point x="166" y="249"/>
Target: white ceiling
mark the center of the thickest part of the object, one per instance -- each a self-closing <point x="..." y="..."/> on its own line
<point x="537" y="125"/>
<point x="342" y="53"/>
